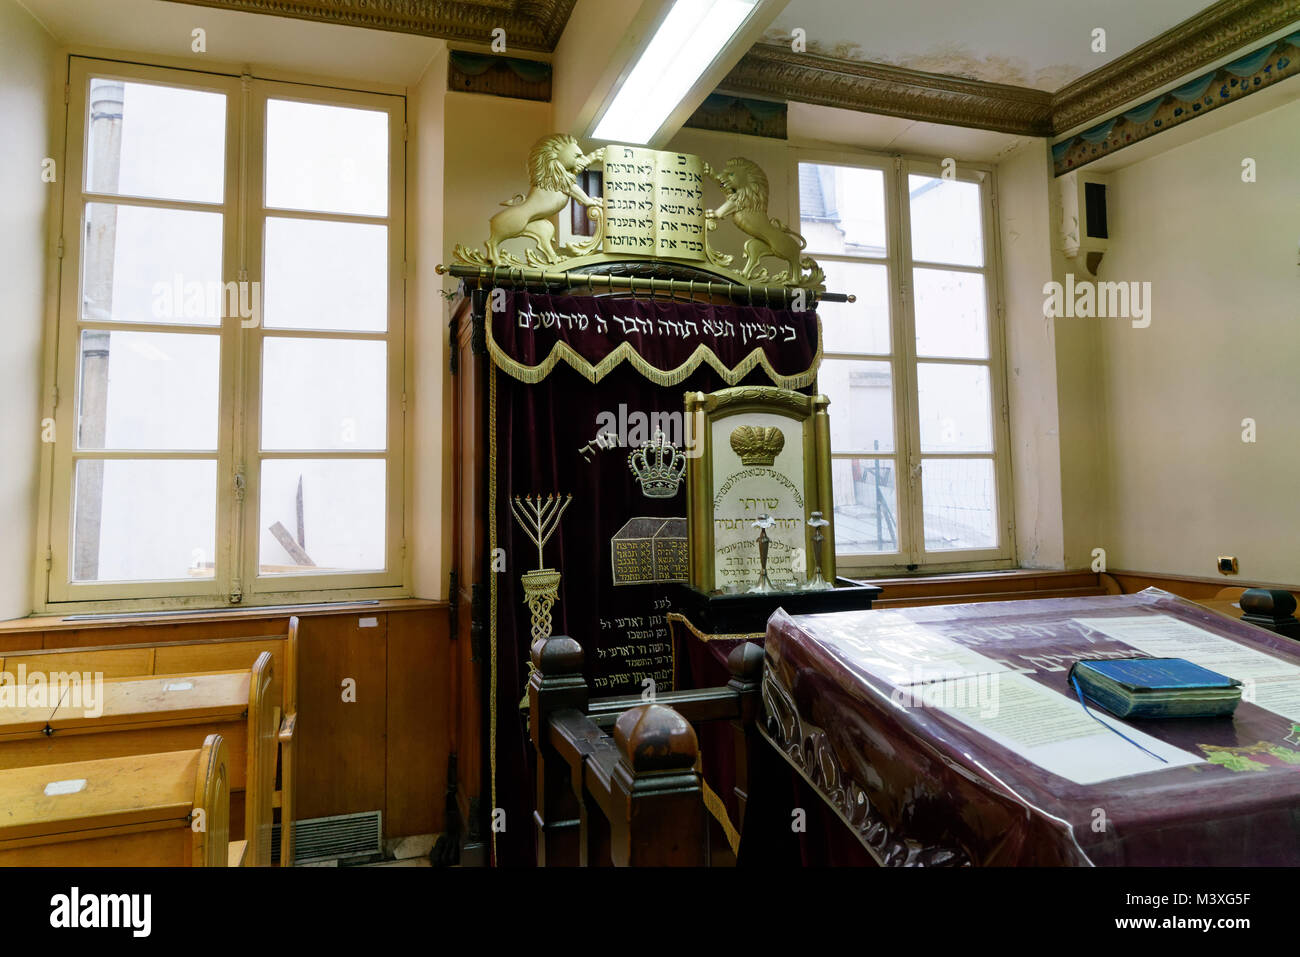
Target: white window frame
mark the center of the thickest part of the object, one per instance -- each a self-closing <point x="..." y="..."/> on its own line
<point x="911" y="557"/>
<point x="236" y="580"/>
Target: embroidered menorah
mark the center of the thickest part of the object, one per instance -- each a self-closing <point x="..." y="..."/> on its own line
<point x="539" y="518"/>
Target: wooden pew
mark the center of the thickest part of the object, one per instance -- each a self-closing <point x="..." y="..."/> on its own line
<point x="197" y="657"/>
<point x="147" y="715"/>
<point x="148" y="810"/>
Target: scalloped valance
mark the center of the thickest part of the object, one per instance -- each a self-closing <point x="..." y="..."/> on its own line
<point x="664" y="340"/>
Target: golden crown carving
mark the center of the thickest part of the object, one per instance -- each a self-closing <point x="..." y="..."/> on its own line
<point x="652" y="206"/>
<point x="757" y="444"/>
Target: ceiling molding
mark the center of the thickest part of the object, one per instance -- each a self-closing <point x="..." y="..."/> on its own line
<point x="775" y="71"/>
<point x="529" y="24"/>
<point x="1190" y="47"/>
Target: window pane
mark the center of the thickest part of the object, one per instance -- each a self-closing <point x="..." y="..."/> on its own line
<point x="842" y="209"/>
<point x="138" y="520"/>
<point x="160" y="142"/>
<point x="330" y="159"/>
<point x="861" y="326"/>
<point x="951" y="315"/>
<point x="946" y="221"/>
<point x="331" y="276"/>
<point x="866" y="505"/>
<point x="960" y="504"/>
<point x="148" y="390"/>
<point x="862" y="406"/>
<point x="152" y="265"/>
<point x="343" y="527"/>
<point x="955" y="407"/>
<point x="324" y="394"/>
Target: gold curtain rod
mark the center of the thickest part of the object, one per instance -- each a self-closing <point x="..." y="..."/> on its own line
<point x="519" y="276"/>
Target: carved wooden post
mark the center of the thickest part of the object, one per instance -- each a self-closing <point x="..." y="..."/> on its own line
<point x="746" y="666"/>
<point x="556" y="684"/>
<point x="656" y="781"/>
<point x="1271" y="608"/>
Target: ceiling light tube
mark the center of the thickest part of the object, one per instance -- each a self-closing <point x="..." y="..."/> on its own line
<point x="688" y="41"/>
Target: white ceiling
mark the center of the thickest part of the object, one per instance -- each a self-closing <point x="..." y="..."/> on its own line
<point x="284" y="45"/>
<point x="1043" y="44"/>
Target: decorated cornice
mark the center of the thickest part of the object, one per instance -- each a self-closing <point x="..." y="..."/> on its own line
<point x="733" y="114"/>
<point x="775" y="71"/>
<point x="1275" y="61"/>
<point x="498" y="75"/>
<point x="1192" y="45"/>
<point x="529" y="24"/>
<point x="1220" y="30"/>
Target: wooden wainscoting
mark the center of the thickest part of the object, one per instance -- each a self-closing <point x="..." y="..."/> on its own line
<point x="387" y="750"/>
<point x="1221" y="594"/>
<point x="1192" y="587"/>
<point x="906" y="591"/>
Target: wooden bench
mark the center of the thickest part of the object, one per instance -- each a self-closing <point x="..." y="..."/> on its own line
<point x="148" y="715"/>
<point x="189" y="659"/>
<point x="148" y="810"/>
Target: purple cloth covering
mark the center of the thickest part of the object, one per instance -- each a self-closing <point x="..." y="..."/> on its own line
<point x="916" y="785"/>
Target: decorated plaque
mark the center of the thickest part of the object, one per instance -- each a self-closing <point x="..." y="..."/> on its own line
<point x="758" y="491"/>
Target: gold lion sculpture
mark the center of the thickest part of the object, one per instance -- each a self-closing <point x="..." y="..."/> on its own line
<point x="554" y="163"/>
<point x="746" y="206"/>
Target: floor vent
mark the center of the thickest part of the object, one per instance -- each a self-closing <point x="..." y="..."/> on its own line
<point x="326" y="838"/>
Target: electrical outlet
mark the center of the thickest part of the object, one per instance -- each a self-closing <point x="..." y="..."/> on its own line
<point x="1228" y="564"/>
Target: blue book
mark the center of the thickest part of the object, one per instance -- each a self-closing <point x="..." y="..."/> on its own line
<point x="1156" y="688"/>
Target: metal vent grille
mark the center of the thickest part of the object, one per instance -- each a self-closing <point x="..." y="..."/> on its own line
<point x="326" y="838"/>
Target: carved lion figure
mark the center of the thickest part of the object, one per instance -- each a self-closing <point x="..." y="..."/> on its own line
<point x="553" y="165"/>
<point x="746" y="205"/>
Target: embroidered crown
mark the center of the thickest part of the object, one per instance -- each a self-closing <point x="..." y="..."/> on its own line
<point x="658" y="466"/>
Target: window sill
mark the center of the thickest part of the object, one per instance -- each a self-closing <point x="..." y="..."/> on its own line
<point x="72" y="621"/>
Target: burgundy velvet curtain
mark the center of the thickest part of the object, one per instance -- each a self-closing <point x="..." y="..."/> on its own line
<point x="565" y="370"/>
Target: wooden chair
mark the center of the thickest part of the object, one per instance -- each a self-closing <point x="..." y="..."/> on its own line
<point x="633" y="797"/>
<point x="187" y="660"/>
<point x="170" y="809"/>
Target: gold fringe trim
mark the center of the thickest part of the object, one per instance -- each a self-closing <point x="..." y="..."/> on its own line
<point x="492" y="598"/>
<point x="719" y="811"/>
<point x="624" y="352"/>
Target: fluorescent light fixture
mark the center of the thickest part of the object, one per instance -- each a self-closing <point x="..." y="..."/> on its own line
<point x="686" y="43"/>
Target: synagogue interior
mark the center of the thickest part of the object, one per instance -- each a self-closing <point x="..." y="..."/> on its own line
<point x="641" y="433"/>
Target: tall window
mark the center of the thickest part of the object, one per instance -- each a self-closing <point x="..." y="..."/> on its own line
<point x="913" y="367"/>
<point x="228" y="424"/>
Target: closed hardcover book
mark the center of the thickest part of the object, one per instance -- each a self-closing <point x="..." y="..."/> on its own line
<point x="1156" y="688"/>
